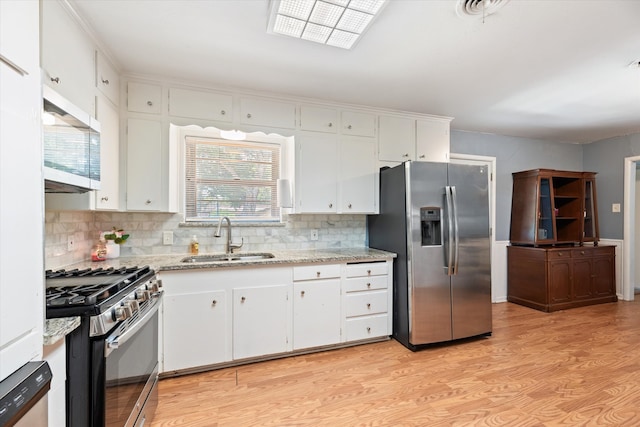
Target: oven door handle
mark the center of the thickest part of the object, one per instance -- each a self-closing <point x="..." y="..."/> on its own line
<point x="115" y="340"/>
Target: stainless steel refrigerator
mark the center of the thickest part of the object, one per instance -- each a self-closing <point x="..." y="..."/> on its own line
<point x="435" y="216"/>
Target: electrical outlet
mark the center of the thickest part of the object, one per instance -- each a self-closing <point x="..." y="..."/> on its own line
<point x="167" y="237"/>
<point x="69" y="243"/>
<point x="615" y="207"/>
<point x="314" y="234"/>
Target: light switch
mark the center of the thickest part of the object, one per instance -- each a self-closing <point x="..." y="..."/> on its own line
<point x="615" y="207"/>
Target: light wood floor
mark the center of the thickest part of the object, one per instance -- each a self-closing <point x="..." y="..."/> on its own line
<point x="579" y="367"/>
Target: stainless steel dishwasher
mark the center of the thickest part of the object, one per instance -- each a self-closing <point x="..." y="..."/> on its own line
<point x="23" y="396"/>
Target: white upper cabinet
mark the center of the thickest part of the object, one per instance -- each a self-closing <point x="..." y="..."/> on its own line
<point x="318" y="119"/>
<point x="357" y="178"/>
<point x="144" y="165"/>
<point x="200" y="105"/>
<point x="359" y="124"/>
<point x="108" y="197"/>
<point x="263" y="112"/>
<point x="432" y="140"/>
<point x="316" y="173"/>
<point x="397" y="139"/>
<point x="144" y="98"/>
<point x="107" y="79"/>
<point x="68" y="56"/>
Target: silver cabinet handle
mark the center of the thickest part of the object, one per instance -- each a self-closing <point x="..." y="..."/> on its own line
<point x="330" y="124"/>
<point x="349" y="127"/>
<point x="105" y="81"/>
<point x="349" y="206"/>
<point x="405" y="155"/>
<point x="148" y="202"/>
<point x="214" y="302"/>
<point x="301" y="293"/>
<point x="317" y="274"/>
<point x="368" y="330"/>
<point x="248" y="115"/>
<point x="368" y="285"/>
<point x="243" y="299"/>
<point x="55" y="79"/>
<point x="149" y="103"/>
<point x="422" y="156"/>
<point x="222" y="112"/>
<point x="105" y="198"/>
<point x="369" y="272"/>
<point x="369" y="306"/>
<point x="330" y="205"/>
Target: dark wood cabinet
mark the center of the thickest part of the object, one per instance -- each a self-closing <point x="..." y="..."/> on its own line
<point x="551" y="207"/>
<point x="558" y="278"/>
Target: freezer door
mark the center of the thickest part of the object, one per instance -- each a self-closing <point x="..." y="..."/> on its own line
<point x="429" y="292"/>
<point x="471" y="285"/>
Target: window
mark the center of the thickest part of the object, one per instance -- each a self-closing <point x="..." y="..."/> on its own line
<point x="236" y="179"/>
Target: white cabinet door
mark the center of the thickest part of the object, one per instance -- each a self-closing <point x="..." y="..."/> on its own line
<point x="316" y="173"/>
<point x="432" y="140"/>
<point x="359" y="124"/>
<point x="316" y="313"/>
<point x="144" y="165"/>
<point x="194" y="330"/>
<point x="397" y="139"/>
<point x="260" y="321"/>
<point x="108" y="197"/>
<point x="254" y="111"/>
<point x="318" y="119"/>
<point x="144" y="98"/>
<point x="67" y="56"/>
<point x="357" y="180"/>
<point x="107" y="80"/>
<point x="200" y="105"/>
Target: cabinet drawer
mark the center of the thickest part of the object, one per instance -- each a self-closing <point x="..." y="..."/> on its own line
<point x="362" y="124"/>
<point x="366" y="269"/>
<point x="560" y="254"/>
<point x="367" y="327"/>
<point x="364" y="303"/>
<point x="200" y="105"/>
<point x="267" y="113"/>
<point x="313" y="272"/>
<point x="591" y="251"/>
<point x="144" y="98"/>
<point x="356" y="284"/>
<point x="318" y="119"/>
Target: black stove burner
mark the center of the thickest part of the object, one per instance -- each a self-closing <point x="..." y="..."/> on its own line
<point x="89" y="288"/>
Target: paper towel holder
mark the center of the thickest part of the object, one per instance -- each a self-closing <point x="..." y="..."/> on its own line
<point x="283" y="195"/>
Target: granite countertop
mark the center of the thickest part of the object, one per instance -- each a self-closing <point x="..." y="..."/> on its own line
<point x="173" y="261"/>
<point x="57" y="329"/>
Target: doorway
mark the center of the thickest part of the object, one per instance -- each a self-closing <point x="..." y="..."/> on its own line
<point x="631" y="223"/>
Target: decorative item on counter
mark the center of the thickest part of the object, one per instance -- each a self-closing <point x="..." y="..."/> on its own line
<point x="194" y="247"/>
<point x="114" y="239"/>
<point x="99" y="250"/>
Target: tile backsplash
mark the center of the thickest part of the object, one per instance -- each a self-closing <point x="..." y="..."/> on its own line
<point x="146" y="231"/>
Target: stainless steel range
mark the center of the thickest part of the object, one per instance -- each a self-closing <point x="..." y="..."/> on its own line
<point x="112" y="357"/>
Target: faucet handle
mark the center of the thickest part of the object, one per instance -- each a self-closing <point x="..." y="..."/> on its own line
<point x="233" y="246"/>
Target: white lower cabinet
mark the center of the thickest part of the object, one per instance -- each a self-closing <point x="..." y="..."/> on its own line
<point x="260" y="321"/>
<point x="56" y="355"/>
<point x="316" y="306"/>
<point x="222" y="315"/>
<point x="195" y="330"/>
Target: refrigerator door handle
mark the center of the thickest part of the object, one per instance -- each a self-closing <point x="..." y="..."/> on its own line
<point x="449" y="253"/>
<point x="456" y="239"/>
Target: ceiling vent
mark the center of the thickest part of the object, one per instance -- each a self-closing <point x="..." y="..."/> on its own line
<point x="479" y="8"/>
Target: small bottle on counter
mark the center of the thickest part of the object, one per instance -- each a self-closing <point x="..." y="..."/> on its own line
<point x="99" y="250"/>
<point x="194" y="246"/>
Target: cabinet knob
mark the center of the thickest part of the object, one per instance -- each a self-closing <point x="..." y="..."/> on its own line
<point x="243" y="299"/>
<point x="368" y="285"/>
<point x="105" y="81"/>
<point x="301" y="293"/>
<point x="368" y="329"/>
<point x="222" y="112"/>
<point x="405" y="155"/>
<point x="560" y="254"/>
<point x="55" y="79"/>
<point x="369" y="272"/>
<point x="317" y="274"/>
<point x="149" y="103"/>
<point x="422" y="156"/>
<point x="330" y="205"/>
<point x="349" y="127"/>
<point x="369" y="306"/>
<point x="248" y="115"/>
<point x="581" y="252"/>
<point x="330" y="124"/>
<point x="349" y="206"/>
<point x="105" y="198"/>
<point x="148" y="202"/>
<point x="214" y="302"/>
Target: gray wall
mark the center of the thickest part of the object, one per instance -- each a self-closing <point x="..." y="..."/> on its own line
<point x="606" y="157"/>
<point x="513" y="155"/>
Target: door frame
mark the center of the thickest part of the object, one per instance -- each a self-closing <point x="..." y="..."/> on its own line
<point x="628" y="243"/>
<point x="490" y="162"/>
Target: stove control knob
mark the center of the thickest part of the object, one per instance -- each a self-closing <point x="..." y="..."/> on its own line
<point x="143" y="295"/>
<point x="131" y="307"/>
<point x="119" y="313"/>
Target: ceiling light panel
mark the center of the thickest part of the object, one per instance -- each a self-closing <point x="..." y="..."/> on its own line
<point x="333" y="22"/>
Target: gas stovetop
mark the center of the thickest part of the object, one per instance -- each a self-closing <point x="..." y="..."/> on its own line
<point x="77" y="292"/>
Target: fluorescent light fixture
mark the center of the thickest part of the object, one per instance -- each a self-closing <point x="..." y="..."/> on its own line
<point x="233" y="135"/>
<point x="338" y="23"/>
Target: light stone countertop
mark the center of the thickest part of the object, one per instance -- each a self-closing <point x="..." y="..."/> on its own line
<point x="173" y="262"/>
<point x="57" y="329"/>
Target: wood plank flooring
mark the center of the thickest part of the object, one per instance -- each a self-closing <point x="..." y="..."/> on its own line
<point x="579" y="367"/>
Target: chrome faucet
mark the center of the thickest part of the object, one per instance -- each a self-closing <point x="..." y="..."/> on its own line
<point x="230" y="246"/>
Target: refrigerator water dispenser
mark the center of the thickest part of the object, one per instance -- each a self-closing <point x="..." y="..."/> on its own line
<point x="430" y="224"/>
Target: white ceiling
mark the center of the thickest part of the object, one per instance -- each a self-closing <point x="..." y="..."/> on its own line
<point x="547" y="69"/>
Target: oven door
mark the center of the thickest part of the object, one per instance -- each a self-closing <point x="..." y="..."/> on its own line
<point x="130" y="372"/>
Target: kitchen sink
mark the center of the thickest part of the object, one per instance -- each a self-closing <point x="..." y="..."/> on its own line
<point x="228" y="258"/>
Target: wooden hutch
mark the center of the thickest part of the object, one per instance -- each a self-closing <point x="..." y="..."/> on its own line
<point x="550" y="268"/>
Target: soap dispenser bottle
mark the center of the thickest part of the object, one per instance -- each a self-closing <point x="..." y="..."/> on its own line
<point x="194" y="246"/>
